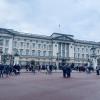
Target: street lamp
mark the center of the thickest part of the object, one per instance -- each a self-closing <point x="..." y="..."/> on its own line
<point x="57" y="60"/>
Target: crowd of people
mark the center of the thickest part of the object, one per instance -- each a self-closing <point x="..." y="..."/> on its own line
<point x="7" y="70"/>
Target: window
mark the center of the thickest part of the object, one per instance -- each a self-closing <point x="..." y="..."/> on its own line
<point x="42" y="41"/>
<point x="86" y="50"/>
<point x="44" y="46"/>
<point x="87" y="56"/>
<point x="78" y="55"/>
<point x="82" y="55"/>
<point x="15" y="43"/>
<point x="82" y="49"/>
<point x="21" y="51"/>
<point x="98" y="51"/>
<point x="44" y="53"/>
<point x="39" y="53"/>
<point x="33" y="52"/>
<point x="39" y="46"/>
<point x="36" y="41"/>
<point x="21" y="44"/>
<point x="1" y="42"/>
<point x="47" y="42"/>
<point x="50" y="53"/>
<point x="33" y="45"/>
<point x="6" y="50"/>
<point x="7" y="43"/>
<point x="74" y="49"/>
<point x="50" y="47"/>
<point x="27" y="52"/>
<point x="30" y="40"/>
<point x="74" y="55"/>
<point x="24" y="39"/>
<point x="78" y="49"/>
<point x="27" y="45"/>
<point x="15" y="51"/>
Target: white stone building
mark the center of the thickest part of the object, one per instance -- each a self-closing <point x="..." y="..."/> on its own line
<point x="47" y="49"/>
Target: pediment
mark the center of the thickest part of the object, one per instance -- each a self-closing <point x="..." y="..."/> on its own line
<point x="62" y="37"/>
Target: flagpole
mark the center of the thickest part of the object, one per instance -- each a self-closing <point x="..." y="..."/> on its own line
<point x="59" y="28"/>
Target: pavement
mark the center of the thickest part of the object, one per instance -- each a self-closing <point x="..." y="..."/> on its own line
<point x="42" y="86"/>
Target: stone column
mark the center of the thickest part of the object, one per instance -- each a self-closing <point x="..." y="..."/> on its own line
<point x="16" y="60"/>
<point x="94" y="61"/>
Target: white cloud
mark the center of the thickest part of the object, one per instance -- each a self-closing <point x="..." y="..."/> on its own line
<point x="77" y="17"/>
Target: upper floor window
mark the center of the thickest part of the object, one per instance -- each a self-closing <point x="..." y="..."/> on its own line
<point x="44" y="53"/>
<point x="44" y="46"/>
<point x="87" y="55"/>
<point x="33" y="52"/>
<point x="98" y="51"/>
<point x="27" y="45"/>
<point x="39" y="46"/>
<point x="50" y="47"/>
<point x="78" y="55"/>
<point x="39" y="53"/>
<point x="27" y="52"/>
<point x="82" y="55"/>
<point x="22" y="44"/>
<point x="33" y="45"/>
<point x="15" y="43"/>
<point x="47" y="42"/>
<point x="78" y="49"/>
<point x="7" y="43"/>
<point x="86" y="50"/>
<point x="36" y="41"/>
<point x="1" y="42"/>
<point x="15" y="51"/>
<point x="74" y="49"/>
<point x="6" y="50"/>
<point x="82" y="49"/>
<point x="50" y="53"/>
<point x="74" y="55"/>
<point x="21" y="51"/>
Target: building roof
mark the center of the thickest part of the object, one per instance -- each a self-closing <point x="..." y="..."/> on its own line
<point x="22" y="34"/>
<point x="53" y="36"/>
<point x="87" y="42"/>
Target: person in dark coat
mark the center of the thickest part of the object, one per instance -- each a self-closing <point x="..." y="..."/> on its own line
<point x="64" y="71"/>
<point x="7" y="70"/>
<point x="50" y="68"/>
<point x="1" y="70"/>
<point x="97" y="69"/>
<point x="68" y="71"/>
<point x="33" y="68"/>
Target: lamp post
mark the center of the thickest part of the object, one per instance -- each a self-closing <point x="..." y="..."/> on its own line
<point x="57" y="60"/>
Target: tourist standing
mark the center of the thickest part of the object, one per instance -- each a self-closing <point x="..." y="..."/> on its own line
<point x="97" y="69"/>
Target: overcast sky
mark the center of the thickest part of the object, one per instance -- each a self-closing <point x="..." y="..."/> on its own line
<point x="80" y="18"/>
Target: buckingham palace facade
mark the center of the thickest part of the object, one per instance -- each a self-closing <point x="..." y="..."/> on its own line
<point x="47" y="49"/>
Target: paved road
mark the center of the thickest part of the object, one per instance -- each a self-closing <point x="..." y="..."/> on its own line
<point x="27" y="86"/>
